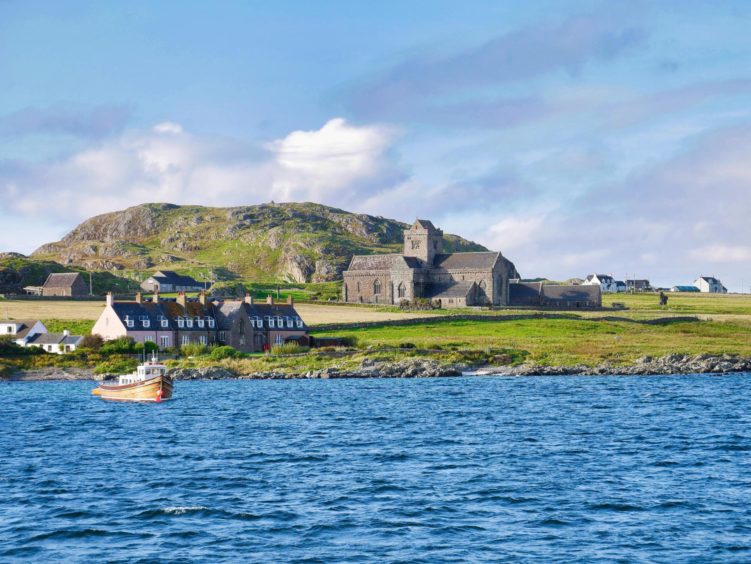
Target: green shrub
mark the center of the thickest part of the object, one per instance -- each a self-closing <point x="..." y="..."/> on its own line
<point x="194" y="349"/>
<point x="116" y="366"/>
<point x="148" y="347"/>
<point x="121" y="345"/>
<point x="288" y="348"/>
<point x="218" y="353"/>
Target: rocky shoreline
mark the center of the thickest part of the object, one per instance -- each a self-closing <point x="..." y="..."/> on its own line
<point x="428" y="368"/>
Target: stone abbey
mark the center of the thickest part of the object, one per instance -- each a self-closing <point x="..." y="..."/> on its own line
<point x="423" y="271"/>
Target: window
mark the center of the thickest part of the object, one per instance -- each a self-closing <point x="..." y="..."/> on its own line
<point x="252" y="321"/>
<point x="415" y="244"/>
<point x="164" y="341"/>
<point x="259" y="322"/>
<point x="377" y="287"/>
<point x="211" y="322"/>
<point x="222" y="336"/>
<point x="280" y="322"/>
<point x="358" y="287"/>
<point x="278" y="340"/>
<point x="180" y="322"/>
<point x="145" y="321"/>
<point x="271" y="321"/>
<point x="163" y="321"/>
<point x="129" y="322"/>
<point x="189" y="322"/>
<point x="202" y="339"/>
<point x="200" y="323"/>
<point x="401" y="290"/>
<point x="289" y="322"/>
<point x="299" y="323"/>
<point x="10" y="329"/>
<point x="185" y="340"/>
<point x="148" y="339"/>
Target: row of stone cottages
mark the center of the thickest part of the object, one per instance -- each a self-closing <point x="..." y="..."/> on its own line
<point x="246" y="325"/>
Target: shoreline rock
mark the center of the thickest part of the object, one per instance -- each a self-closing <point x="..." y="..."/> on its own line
<point x="673" y="364"/>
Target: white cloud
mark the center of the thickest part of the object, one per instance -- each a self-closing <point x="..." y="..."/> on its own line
<point x="338" y="164"/>
<point x="722" y="253"/>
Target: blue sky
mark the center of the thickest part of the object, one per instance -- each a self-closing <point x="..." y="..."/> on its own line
<point x="574" y="137"/>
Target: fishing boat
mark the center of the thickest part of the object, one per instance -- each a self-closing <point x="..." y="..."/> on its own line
<point x="149" y="382"/>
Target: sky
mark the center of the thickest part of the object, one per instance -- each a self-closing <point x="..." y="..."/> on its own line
<point x="574" y="137"/>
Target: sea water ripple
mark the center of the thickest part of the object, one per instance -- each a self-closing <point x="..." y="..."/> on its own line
<point x="428" y="470"/>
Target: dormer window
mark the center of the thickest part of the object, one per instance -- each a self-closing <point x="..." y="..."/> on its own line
<point x="280" y="322"/>
<point x="271" y="321"/>
<point x="180" y="322"/>
<point x="163" y="321"/>
<point x="129" y="322"/>
<point x="189" y="322"/>
<point x="211" y="322"/>
<point x="299" y="323"/>
<point x="289" y="322"/>
<point x="200" y="323"/>
<point x="145" y="321"/>
<point x="259" y="322"/>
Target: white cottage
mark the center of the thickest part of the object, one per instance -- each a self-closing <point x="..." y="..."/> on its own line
<point x="606" y="283"/>
<point x="710" y="285"/>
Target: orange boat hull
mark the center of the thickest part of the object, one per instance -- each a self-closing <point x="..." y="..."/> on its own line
<point x="148" y="390"/>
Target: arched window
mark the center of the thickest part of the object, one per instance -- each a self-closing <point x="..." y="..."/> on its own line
<point x="401" y="290"/>
<point x="377" y="287"/>
<point x="358" y="287"/>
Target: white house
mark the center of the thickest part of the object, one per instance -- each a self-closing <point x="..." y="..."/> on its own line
<point x="710" y="285"/>
<point x="59" y="343"/>
<point x="605" y="282"/>
<point x="22" y="330"/>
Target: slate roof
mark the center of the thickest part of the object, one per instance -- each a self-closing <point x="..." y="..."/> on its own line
<point x="154" y="312"/>
<point x="685" y="289"/>
<point x="373" y="262"/>
<point x="172" y="277"/>
<point x="426" y="224"/>
<point x="228" y="311"/>
<point x="571" y="293"/>
<point x="26" y="325"/>
<point x="455" y="290"/>
<point x="61" y="279"/>
<point x="459" y="261"/>
<point x="710" y="280"/>
<point x="525" y="290"/>
<point x="602" y="277"/>
<point x="55" y="339"/>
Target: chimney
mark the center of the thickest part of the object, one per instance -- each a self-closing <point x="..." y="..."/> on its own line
<point x="181" y="298"/>
<point x="110" y="299"/>
<point x="66" y="333"/>
<point x="139" y="298"/>
<point x="248" y="299"/>
<point x="270" y="299"/>
<point x="202" y="297"/>
<point x="155" y="298"/>
<point x="290" y="301"/>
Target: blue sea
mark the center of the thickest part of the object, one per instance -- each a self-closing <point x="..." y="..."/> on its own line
<point x="483" y="469"/>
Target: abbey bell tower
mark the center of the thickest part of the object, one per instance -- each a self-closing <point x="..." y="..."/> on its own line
<point x="423" y="241"/>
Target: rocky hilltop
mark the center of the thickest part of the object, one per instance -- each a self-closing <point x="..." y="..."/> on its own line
<point x="300" y="242"/>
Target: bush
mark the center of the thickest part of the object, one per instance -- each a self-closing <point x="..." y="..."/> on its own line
<point x="194" y="349"/>
<point x="116" y="366"/>
<point x="289" y="348"/>
<point x="148" y="347"/>
<point x="121" y="345"/>
<point x="218" y="353"/>
<point x="407" y="345"/>
<point x="92" y="342"/>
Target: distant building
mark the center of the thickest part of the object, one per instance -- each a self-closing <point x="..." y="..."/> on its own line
<point x="606" y="282"/>
<point x="245" y="325"/>
<point x="58" y="343"/>
<point x="537" y="294"/>
<point x="620" y="286"/>
<point x="638" y="285"/>
<point x="170" y="281"/>
<point x="711" y="285"/>
<point x="423" y="271"/>
<point x="684" y="289"/>
<point x="65" y="284"/>
<point x="22" y="330"/>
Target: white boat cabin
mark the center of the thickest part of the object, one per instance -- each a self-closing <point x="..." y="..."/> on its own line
<point x="146" y="371"/>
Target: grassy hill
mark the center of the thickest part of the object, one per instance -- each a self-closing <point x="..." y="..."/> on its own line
<point x="296" y="242"/>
